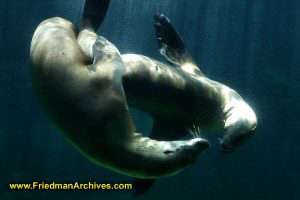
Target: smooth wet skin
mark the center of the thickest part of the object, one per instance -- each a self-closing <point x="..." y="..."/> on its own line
<point x="190" y="100"/>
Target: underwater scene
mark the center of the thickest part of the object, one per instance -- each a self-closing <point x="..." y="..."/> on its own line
<point x="144" y="99"/>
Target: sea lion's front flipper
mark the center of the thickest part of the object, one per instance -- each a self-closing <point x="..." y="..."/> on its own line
<point x="172" y="47"/>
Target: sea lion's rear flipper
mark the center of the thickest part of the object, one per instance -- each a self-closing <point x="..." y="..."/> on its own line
<point x="94" y="13"/>
<point x="172" y="47"/>
<point x="92" y="17"/>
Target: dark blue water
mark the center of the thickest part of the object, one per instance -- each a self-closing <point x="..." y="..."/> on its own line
<point x="252" y="46"/>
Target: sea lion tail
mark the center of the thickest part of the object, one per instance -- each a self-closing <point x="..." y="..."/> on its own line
<point x="94" y="13"/>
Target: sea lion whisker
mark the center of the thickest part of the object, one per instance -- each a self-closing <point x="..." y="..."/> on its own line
<point x="194" y="135"/>
<point x="220" y="140"/>
<point x="195" y="131"/>
<point x="191" y="132"/>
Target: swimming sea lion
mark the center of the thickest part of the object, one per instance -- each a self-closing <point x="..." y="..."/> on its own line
<point x="84" y="98"/>
<point x="180" y="97"/>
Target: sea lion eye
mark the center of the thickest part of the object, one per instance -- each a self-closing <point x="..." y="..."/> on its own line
<point x="168" y="152"/>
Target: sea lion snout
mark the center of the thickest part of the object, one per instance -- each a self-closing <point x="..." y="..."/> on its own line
<point x="199" y="144"/>
<point x="240" y="124"/>
<point x="194" y="147"/>
<point x="233" y="140"/>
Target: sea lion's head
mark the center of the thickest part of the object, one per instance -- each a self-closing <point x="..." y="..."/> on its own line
<point x="181" y="154"/>
<point x="235" y="136"/>
<point x="239" y="126"/>
<point x="164" y="158"/>
<point x="187" y="150"/>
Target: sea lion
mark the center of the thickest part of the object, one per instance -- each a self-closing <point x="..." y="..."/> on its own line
<point x="84" y="98"/>
<point x="180" y="97"/>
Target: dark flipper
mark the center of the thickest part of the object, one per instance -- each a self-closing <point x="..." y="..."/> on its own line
<point x="162" y="130"/>
<point x="94" y="13"/>
<point x="141" y="186"/>
<point x="172" y="46"/>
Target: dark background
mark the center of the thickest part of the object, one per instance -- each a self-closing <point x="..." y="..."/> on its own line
<point x="252" y="46"/>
